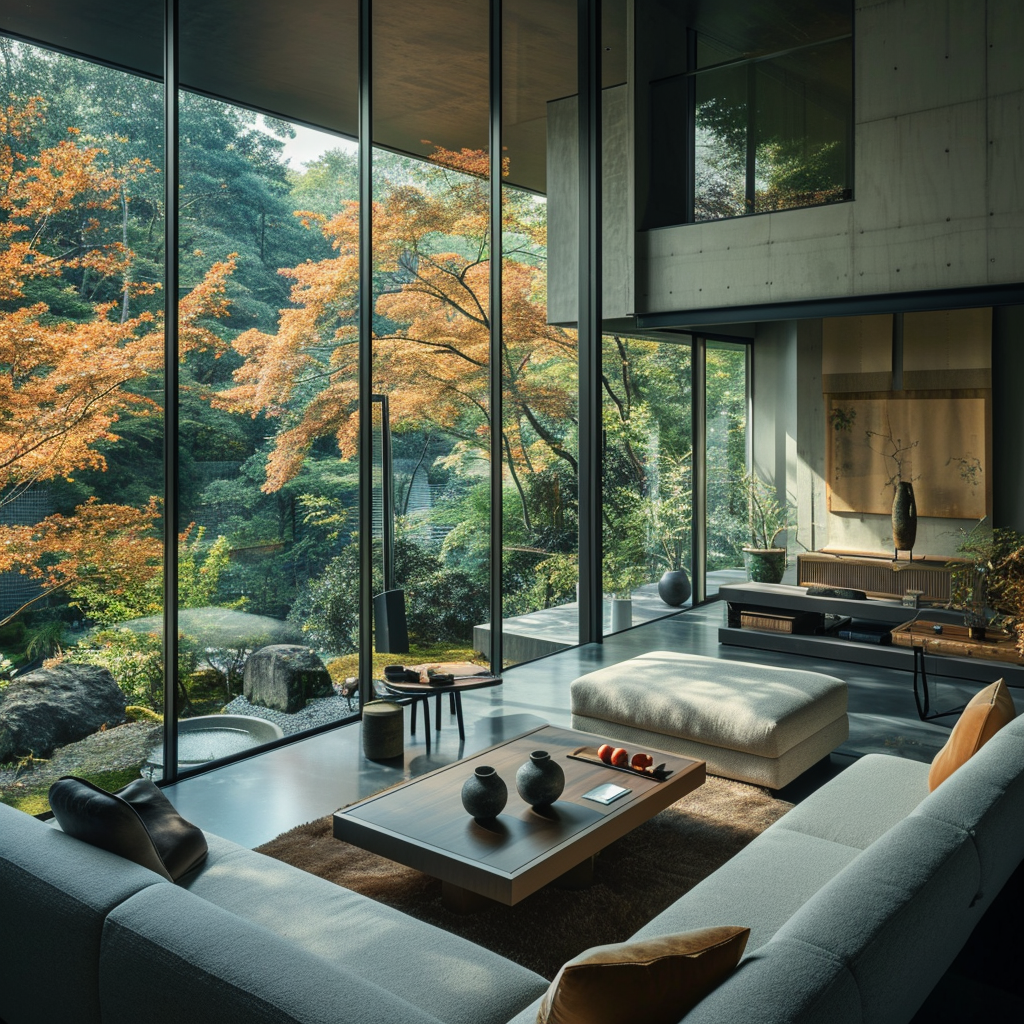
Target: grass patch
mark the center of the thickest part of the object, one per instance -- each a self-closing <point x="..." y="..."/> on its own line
<point x="36" y="800"/>
<point x="348" y="664"/>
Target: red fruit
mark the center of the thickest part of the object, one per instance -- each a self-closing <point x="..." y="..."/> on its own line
<point x="605" y="752"/>
<point x="642" y="761"/>
<point x="620" y="757"/>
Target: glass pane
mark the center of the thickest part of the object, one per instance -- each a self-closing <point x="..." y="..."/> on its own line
<point x="268" y="477"/>
<point x="540" y="480"/>
<point x="804" y="106"/>
<point x="726" y="382"/>
<point x="81" y="433"/>
<point x="720" y="144"/>
<point x="648" y="489"/>
<point x="431" y="345"/>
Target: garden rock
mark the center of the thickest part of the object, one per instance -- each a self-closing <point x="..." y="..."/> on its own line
<point x="52" y="707"/>
<point x="284" y="677"/>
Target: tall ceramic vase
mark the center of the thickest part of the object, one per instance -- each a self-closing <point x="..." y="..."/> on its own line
<point x="904" y="517"/>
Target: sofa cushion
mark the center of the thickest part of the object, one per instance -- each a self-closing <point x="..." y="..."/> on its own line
<point x="138" y="822"/>
<point x="797" y="865"/>
<point x="896" y="916"/>
<point x="986" y="713"/>
<point x="654" y="980"/>
<point x="454" y="979"/>
<point x="54" y="894"/>
<point x="169" y="957"/>
<point x="850" y="809"/>
<point x="985" y="799"/>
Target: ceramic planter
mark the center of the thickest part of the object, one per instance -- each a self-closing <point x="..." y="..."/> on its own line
<point x="765" y="565"/>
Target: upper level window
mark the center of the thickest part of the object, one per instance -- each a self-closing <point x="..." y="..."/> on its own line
<point x="764" y="133"/>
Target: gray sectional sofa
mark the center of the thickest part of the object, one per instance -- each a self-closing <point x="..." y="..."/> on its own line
<point x="858" y="901"/>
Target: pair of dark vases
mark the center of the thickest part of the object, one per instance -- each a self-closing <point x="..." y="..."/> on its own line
<point x="539" y="781"/>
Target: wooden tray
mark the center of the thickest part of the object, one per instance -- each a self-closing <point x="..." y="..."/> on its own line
<point x="954" y="640"/>
<point x="659" y="773"/>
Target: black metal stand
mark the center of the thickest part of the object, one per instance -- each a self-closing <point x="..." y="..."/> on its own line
<point x="924" y="711"/>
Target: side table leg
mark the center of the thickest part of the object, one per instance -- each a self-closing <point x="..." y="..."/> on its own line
<point x="457" y="697"/>
<point x="412" y="727"/>
<point x="924" y="711"/>
<point x="437" y="713"/>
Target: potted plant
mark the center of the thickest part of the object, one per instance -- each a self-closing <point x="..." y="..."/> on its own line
<point x="767" y="520"/>
<point x="625" y="553"/>
<point x="620" y="580"/>
<point x="987" y="582"/>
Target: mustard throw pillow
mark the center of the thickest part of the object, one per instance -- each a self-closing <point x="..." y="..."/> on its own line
<point x="654" y="981"/>
<point x="987" y="712"/>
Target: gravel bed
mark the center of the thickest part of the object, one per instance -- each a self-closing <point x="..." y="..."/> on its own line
<point x="321" y="711"/>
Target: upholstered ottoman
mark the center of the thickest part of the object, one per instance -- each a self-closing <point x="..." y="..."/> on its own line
<point x="754" y="723"/>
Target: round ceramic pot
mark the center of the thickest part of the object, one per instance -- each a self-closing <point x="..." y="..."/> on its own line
<point x="484" y="794"/>
<point x="765" y="565"/>
<point x="674" y="587"/>
<point x="540" y="780"/>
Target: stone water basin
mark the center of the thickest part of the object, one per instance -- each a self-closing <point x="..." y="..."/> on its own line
<point x="208" y="737"/>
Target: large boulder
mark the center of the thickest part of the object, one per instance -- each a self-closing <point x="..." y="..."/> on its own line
<point x="51" y="707"/>
<point x="284" y="677"/>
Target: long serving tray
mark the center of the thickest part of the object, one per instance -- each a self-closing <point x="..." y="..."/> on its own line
<point x="659" y="773"/>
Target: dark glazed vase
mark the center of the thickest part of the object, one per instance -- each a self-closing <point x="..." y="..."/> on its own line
<point x="674" y="587"/>
<point x="484" y="794"/>
<point x="540" y="780"/>
<point x="904" y="517"/>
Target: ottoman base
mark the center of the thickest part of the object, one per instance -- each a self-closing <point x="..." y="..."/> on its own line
<point x="770" y="772"/>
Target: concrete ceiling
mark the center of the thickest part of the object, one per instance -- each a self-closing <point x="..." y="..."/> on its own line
<point x="299" y="61"/>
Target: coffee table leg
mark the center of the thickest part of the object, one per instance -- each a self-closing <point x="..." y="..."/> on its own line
<point x="437" y="713"/>
<point x="579" y="877"/>
<point x="412" y="727"/>
<point x="462" y="901"/>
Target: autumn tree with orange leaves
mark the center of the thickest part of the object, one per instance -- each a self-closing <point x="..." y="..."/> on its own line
<point x="431" y="341"/>
<point x="65" y="384"/>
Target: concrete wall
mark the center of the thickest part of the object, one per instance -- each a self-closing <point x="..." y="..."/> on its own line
<point x="938" y="200"/>
<point x="773" y="394"/>
<point x="563" y="207"/>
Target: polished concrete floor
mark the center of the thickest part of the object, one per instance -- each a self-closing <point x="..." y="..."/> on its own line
<point x="254" y="800"/>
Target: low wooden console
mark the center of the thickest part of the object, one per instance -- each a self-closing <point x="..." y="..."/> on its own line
<point x="752" y="599"/>
<point x="877" y="576"/>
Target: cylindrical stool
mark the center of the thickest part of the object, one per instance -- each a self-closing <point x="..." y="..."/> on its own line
<point x="383" y="730"/>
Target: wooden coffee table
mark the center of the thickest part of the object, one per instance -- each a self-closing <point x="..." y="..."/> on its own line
<point x="423" y="824"/>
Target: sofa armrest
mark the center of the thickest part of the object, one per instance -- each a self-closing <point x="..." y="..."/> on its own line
<point x="169" y="956"/>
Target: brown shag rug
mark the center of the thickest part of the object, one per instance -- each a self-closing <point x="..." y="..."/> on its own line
<point x="634" y="879"/>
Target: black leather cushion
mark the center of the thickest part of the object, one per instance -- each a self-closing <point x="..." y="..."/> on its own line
<point x="137" y="822"/>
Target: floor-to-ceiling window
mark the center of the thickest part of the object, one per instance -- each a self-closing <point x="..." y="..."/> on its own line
<point x="647" y="477"/>
<point x="726" y="431"/>
<point x="431" y="345"/>
<point x="267" y="467"/>
<point x="539" y="378"/>
<point x="81" y="421"/>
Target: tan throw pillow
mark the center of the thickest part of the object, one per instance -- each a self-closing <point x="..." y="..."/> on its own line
<point x="987" y="712"/>
<point x="654" y="981"/>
